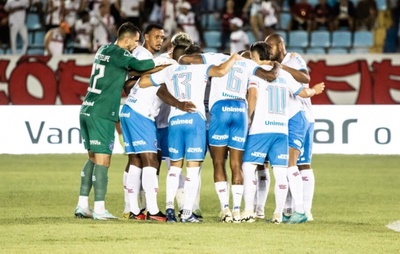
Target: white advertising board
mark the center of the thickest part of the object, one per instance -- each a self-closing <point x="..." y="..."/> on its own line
<point x="339" y="129"/>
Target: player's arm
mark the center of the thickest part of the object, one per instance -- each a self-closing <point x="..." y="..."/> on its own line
<point x="315" y="90"/>
<point x="140" y="73"/>
<point x="271" y="74"/>
<point x="252" y="95"/>
<point x="191" y="59"/>
<point x="223" y="68"/>
<point x="301" y="76"/>
<point x="166" y="97"/>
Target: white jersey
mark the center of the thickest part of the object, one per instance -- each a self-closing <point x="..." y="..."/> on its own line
<point x="188" y="23"/>
<point x="83" y="34"/>
<point x="130" y="7"/>
<point x="298" y="63"/>
<point x="71" y="9"/>
<point x="56" y="44"/>
<point x="101" y="26"/>
<point x="17" y="16"/>
<point x="144" y="100"/>
<point x="162" y="118"/>
<point x="271" y="111"/>
<point x="186" y="83"/>
<point x="239" y="41"/>
<point x="234" y="84"/>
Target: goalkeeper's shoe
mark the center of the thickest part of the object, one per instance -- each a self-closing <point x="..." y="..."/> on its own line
<point x="248" y="216"/>
<point x="286" y="217"/>
<point x="297" y="218"/>
<point x="83" y="212"/>
<point x="156" y="217"/>
<point x="139" y="216"/>
<point x="104" y="216"/>
<point x="226" y="215"/>
<point x="170" y="214"/>
<point x="192" y="219"/>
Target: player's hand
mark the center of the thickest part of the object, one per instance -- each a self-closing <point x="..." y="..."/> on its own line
<point x="237" y="57"/>
<point x="187" y="106"/>
<point x="319" y="88"/>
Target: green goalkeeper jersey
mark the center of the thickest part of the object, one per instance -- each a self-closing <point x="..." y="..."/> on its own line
<point x="109" y="71"/>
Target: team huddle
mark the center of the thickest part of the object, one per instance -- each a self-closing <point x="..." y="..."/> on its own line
<point x="252" y="109"/>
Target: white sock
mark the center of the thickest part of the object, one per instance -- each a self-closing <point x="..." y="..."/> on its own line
<point x="250" y="185"/>
<point x="308" y="188"/>
<point x="289" y="204"/>
<point x="296" y="188"/>
<point x="191" y="188"/>
<point x="142" y="198"/>
<point x="83" y="202"/>
<point x="237" y="194"/>
<point x="263" y="183"/>
<point x="133" y="183"/>
<point x="167" y="162"/>
<point x="126" y="197"/>
<point x="281" y="188"/>
<point x="223" y="195"/>
<point x="172" y="185"/>
<point x="196" y="205"/>
<point x="99" y="207"/>
<point x="180" y="195"/>
<point x="150" y="186"/>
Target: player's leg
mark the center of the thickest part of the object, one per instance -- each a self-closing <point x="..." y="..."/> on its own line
<point x="263" y="184"/>
<point x="126" y="195"/>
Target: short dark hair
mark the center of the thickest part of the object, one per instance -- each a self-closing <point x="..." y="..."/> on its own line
<point x="151" y="27"/>
<point x="262" y="48"/>
<point x="127" y="28"/>
<point x="178" y="52"/>
<point x="193" y="49"/>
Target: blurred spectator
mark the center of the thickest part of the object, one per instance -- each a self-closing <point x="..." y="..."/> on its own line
<point x="16" y="21"/>
<point x="227" y="15"/>
<point x="256" y="18"/>
<point x="213" y="5"/>
<point x="270" y="10"/>
<point x="190" y="24"/>
<point x="4" y="28"/>
<point x="54" y="39"/>
<point x="104" y="30"/>
<point x="37" y="6"/>
<point x="54" y="13"/>
<point x="322" y="16"/>
<point x="131" y="11"/>
<point x="239" y="38"/>
<point x="169" y="14"/>
<point x="154" y="12"/>
<point x="72" y="7"/>
<point x="82" y="34"/>
<point x="367" y="13"/>
<point x="115" y="11"/>
<point x="302" y="14"/>
<point x="344" y="14"/>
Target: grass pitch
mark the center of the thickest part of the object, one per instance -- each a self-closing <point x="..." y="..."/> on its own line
<point x="355" y="198"/>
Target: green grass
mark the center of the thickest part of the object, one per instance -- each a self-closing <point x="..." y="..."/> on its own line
<point x="355" y="197"/>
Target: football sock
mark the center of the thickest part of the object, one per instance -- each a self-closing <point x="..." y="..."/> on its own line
<point x="133" y="183"/>
<point x="281" y="188"/>
<point x="237" y="194"/>
<point x="126" y="197"/>
<point x="223" y="195"/>
<point x="172" y="185"/>
<point x="196" y="205"/>
<point x="296" y="188"/>
<point x="86" y="178"/>
<point x="180" y="196"/>
<point x="142" y="198"/>
<point x="191" y="187"/>
<point x="289" y="204"/>
<point x="263" y="183"/>
<point x="100" y="181"/>
<point x="83" y="202"/>
<point x="308" y="188"/>
<point x="150" y="186"/>
<point x="250" y="187"/>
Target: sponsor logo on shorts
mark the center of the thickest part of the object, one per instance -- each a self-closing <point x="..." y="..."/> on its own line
<point x="194" y="150"/>
<point x="88" y="103"/>
<point x="182" y="121"/>
<point x="233" y="109"/>
<point x="172" y="150"/>
<point x="95" y="142"/>
<point x="139" y="143"/>
<point x="297" y="142"/>
<point x="127" y="115"/>
<point x="283" y="156"/>
<point x="259" y="154"/>
<point x="239" y="139"/>
<point x="220" y="137"/>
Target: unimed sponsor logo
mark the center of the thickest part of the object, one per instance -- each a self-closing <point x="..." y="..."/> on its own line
<point x="259" y="154"/>
<point x="239" y="139"/>
<point x="127" y="115"/>
<point x="194" y="150"/>
<point x="88" y="103"/>
<point x="95" y="142"/>
<point x="182" y="121"/>
<point x="139" y="143"/>
<point x="220" y="137"/>
<point x="172" y="150"/>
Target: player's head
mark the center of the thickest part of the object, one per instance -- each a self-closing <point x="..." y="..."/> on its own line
<point x="193" y="49"/>
<point x="128" y="36"/>
<point x="181" y="39"/>
<point x="277" y="44"/>
<point x="153" y="37"/>
<point x="178" y="52"/>
<point x="260" y="51"/>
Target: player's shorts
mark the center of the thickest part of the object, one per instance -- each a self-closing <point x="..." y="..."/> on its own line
<point x="187" y="137"/>
<point x="297" y="125"/>
<point x="306" y="151"/>
<point x="162" y="138"/>
<point x="273" y="145"/>
<point x="139" y="132"/>
<point x="228" y="124"/>
<point x="98" y="133"/>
